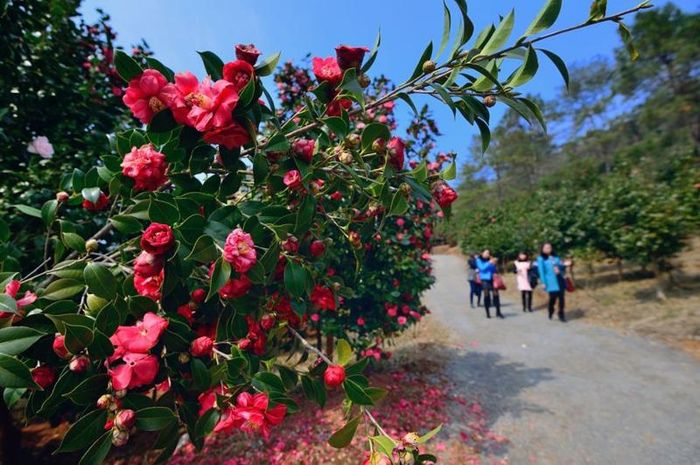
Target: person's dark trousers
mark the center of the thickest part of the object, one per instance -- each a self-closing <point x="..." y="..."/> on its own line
<point x="553" y="298"/>
<point x="488" y="291"/>
<point x="497" y="304"/>
<point x="527" y="300"/>
<point x="474" y="290"/>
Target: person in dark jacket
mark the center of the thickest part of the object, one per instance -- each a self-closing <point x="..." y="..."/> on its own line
<point x="474" y="281"/>
<point x="487" y="269"/>
<point x="552" y="275"/>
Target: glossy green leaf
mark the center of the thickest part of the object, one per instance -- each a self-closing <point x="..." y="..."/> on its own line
<point x="268" y="65"/>
<point x="356" y="392"/>
<point x="221" y="274"/>
<point x="27" y="210"/>
<point x="500" y="34"/>
<point x="598" y="9"/>
<point x="126" y="224"/>
<point x="446" y="28"/>
<point x="545" y="18"/>
<point x="100" y="280"/>
<point x="16" y="339"/>
<point x="163" y="212"/>
<point x="7" y="304"/>
<point x="14" y="373"/>
<point x="63" y="289"/>
<point x="212" y="64"/>
<point x="296" y="279"/>
<point x="373" y="54"/>
<point x="343" y="437"/>
<point x="526" y="71"/>
<point x="154" y="418"/>
<point x="427" y="53"/>
<point x="560" y="65"/>
<point x="98" y="451"/>
<point x="85" y="431"/>
<point x="126" y="66"/>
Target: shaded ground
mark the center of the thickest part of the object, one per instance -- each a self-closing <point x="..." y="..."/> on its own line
<point x="571" y="393"/>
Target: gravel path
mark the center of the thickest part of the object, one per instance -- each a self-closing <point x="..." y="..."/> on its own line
<point x="570" y="394"/>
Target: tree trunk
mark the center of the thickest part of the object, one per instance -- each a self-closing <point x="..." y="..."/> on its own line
<point x="330" y="346"/>
<point x="620" y="273"/>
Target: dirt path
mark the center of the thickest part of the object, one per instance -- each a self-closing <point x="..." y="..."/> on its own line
<point x="570" y="394"/>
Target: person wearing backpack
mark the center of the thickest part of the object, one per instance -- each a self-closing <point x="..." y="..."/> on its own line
<point x="523" y="265"/>
<point x="474" y="281"/>
<point x="552" y="274"/>
<point x="487" y="269"/>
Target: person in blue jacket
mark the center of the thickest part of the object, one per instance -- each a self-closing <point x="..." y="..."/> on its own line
<point x="552" y="270"/>
<point x="487" y="268"/>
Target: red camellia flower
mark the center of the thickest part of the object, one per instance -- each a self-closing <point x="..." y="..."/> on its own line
<point x="327" y="70"/>
<point x="322" y="298"/>
<point x="317" y="248"/>
<point x="146" y="167"/>
<point x="141" y="337"/>
<point x="334" y="376"/>
<point x="292" y="179"/>
<point x="248" y="53"/>
<point x="137" y="370"/>
<point x="212" y="105"/>
<point x="44" y="376"/>
<point x="12" y="289"/>
<point x="145" y="96"/>
<point x="179" y="96"/>
<point x="239" y="250"/>
<point x="396" y="149"/>
<point x="125" y="419"/>
<point x="334" y="108"/>
<point x="238" y="73"/>
<point x="157" y="239"/>
<point x="377" y="459"/>
<point x="149" y="286"/>
<point x="59" y="347"/>
<point x="101" y="204"/>
<point x="304" y="149"/>
<point x="202" y="346"/>
<point x="148" y="264"/>
<point x="444" y="195"/>
<point x="236" y="288"/>
<point x="230" y="136"/>
<point x="350" y="57"/>
<point x="207" y="399"/>
<point x="252" y="414"/>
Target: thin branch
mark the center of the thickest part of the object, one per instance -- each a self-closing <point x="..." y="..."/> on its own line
<point x="310" y="347"/>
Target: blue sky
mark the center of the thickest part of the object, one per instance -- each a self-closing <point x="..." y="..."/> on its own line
<point x="175" y="30"/>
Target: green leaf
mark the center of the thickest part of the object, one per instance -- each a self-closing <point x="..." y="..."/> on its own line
<point x="158" y="66"/>
<point x="154" y="418"/>
<point x="4" y="231"/>
<point x="16" y="339"/>
<point x="446" y="28"/>
<point x="296" y="279"/>
<point x="598" y="9"/>
<point x="343" y="437"/>
<point x="467" y="28"/>
<point x="427" y="53"/>
<point x="489" y="77"/>
<point x="485" y="132"/>
<point x="222" y="272"/>
<point x="7" y="304"/>
<point x="267" y="382"/>
<point x="385" y="444"/>
<point x="162" y="122"/>
<point x="500" y="35"/>
<point x="86" y="430"/>
<point x="206" y="423"/>
<point x="445" y="96"/>
<point x="100" y="281"/>
<point x="429" y="435"/>
<point x="204" y="250"/>
<point x="343" y="351"/>
<point x="77" y="337"/>
<point x="527" y="70"/>
<point x="373" y="54"/>
<point x="212" y="64"/>
<point x="163" y="212"/>
<point x="399" y="204"/>
<point x="407" y="98"/>
<point x="63" y="289"/>
<point x="126" y="224"/>
<point x="559" y="63"/>
<point x="14" y="374"/>
<point x="97" y="452"/>
<point x="126" y="66"/>
<point x="268" y="65"/>
<point x="356" y="392"/>
<point x="27" y="210"/>
<point x="201" y="377"/>
<point x="91" y="194"/>
<point x="48" y="211"/>
<point x="89" y="390"/>
<point x="450" y="173"/>
<point x="545" y="18"/>
<point x="372" y="132"/>
<point x="626" y="37"/>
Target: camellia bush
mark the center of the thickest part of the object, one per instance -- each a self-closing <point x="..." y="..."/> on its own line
<point x="182" y="305"/>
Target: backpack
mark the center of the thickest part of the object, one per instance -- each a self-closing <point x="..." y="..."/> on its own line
<point x="533" y="276"/>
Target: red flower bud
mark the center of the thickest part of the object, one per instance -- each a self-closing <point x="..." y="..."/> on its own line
<point x="125" y="419"/>
<point x="79" y="364"/>
<point x="44" y="376"/>
<point x="318" y="248"/>
<point x="62" y="196"/>
<point x="202" y="347"/>
<point x="198" y="295"/>
<point x="59" y="347"/>
<point x="334" y="376"/>
<point x="267" y="322"/>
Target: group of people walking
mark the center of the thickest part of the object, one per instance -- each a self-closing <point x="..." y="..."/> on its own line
<point x="548" y="268"/>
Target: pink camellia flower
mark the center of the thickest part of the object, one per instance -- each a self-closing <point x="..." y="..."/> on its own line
<point x="292" y="179"/>
<point x="207" y="399"/>
<point x="148" y="264"/>
<point x="141" y="337"/>
<point x="396" y="149"/>
<point x="44" y="376"/>
<point x="149" y="286"/>
<point x="59" y="347"/>
<point x="212" y="105"/>
<point x="11" y="289"/>
<point x="146" y="167"/>
<point x="238" y="73"/>
<point x="400" y="222"/>
<point x="444" y="195"/>
<point x="334" y="376"/>
<point x="101" y="204"/>
<point x="360" y="321"/>
<point x="145" y="96"/>
<point x="185" y="311"/>
<point x="157" y="239"/>
<point x="327" y="70"/>
<point x="202" y="347"/>
<point x="304" y="149"/>
<point x="322" y="298"/>
<point x="41" y="146"/>
<point x="230" y="136"/>
<point x="137" y="370"/>
<point x="125" y="419"/>
<point x="317" y="248"/>
<point x="391" y="310"/>
<point x="179" y="96"/>
<point x="247" y="52"/>
<point x="402" y="320"/>
<point x="236" y="288"/>
<point x="239" y="250"/>
<point x="350" y="57"/>
<point x="252" y="414"/>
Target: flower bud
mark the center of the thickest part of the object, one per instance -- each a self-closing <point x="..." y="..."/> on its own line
<point x="79" y="364"/>
<point x="119" y="437"/>
<point x="105" y="401"/>
<point x="353" y="140"/>
<point x="202" y="347"/>
<point x="125" y="419"/>
<point x="379" y="146"/>
<point x="91" y="245"/>
<point x="429" y="66"/>
<point x="405" y="188"/>
<point x="489" y="101"/>
<point x="363" y="80"/>
<point x="267" y="322"/>
<point x="198" y="295"/>
<point x="95" y="304"/>
<point x="59" y="347"/>
<point x="183" y="358"/>
<point x="317" y="248"/>
<point x="62" y="196"/>
<point x="120" y="393"/>
<point x="345" y="157"/>
<point x="355" y="239"/>
<point x="334" y="376"/>
<point x="410" y="439"/>
<point x="44" y="376"/>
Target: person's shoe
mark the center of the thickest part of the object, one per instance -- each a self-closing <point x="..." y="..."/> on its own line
<point x="562" y="318"/>
<point x="550" y="316"/>
<point x="500" y="315"/>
